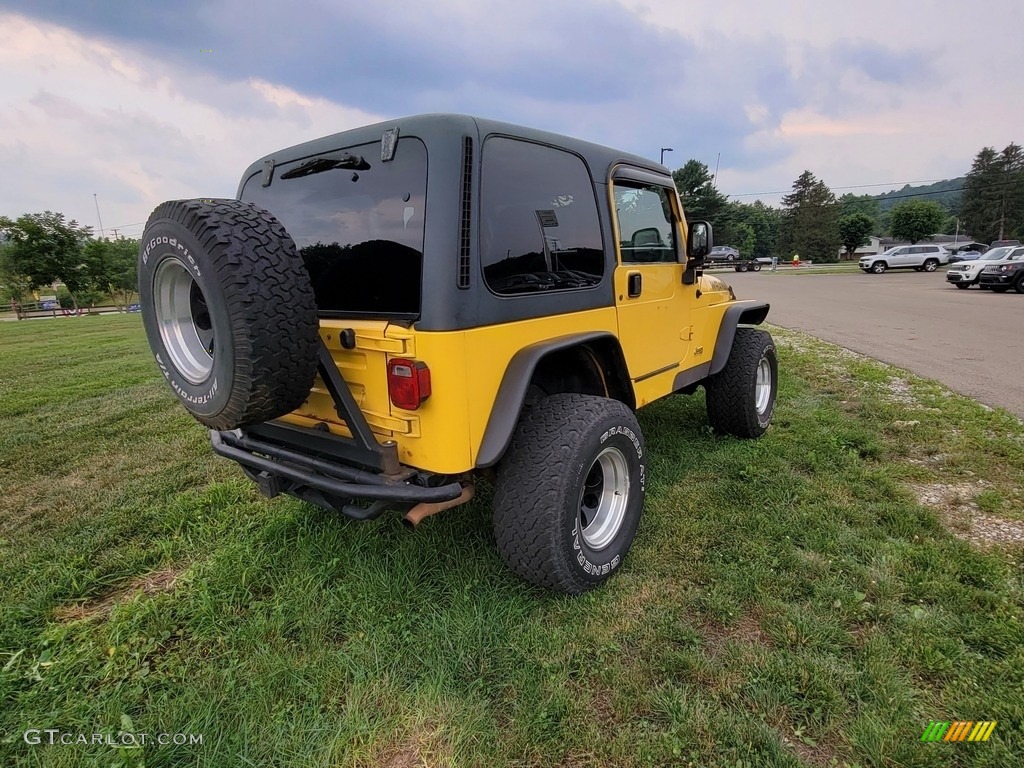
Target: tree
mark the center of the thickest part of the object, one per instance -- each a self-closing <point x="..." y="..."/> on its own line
<point x="112" y="265"/>
<point x="809" y="224"/>
<point x="700" y="198"/>
<point x="915" y="220"/>
<point x="854" y="230"/>
<point x="45" y="248"/>
<point x="993" y="201"/>
<point x="850" y="204"/>
<point x="750" y="228"/>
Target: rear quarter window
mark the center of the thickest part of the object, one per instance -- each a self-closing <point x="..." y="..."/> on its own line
<point x="540" y="229"/>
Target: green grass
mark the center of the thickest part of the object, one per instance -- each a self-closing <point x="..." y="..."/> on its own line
<point x="787" y="602"/>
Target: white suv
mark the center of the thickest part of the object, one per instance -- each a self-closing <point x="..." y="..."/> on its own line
<point x="964" y="274"/>
<point x="919" y="257"/>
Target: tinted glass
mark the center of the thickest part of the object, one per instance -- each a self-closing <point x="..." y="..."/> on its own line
<point x="644" y="213"/>
<point x="539" y="225"/>
<point x="358" y="225"/>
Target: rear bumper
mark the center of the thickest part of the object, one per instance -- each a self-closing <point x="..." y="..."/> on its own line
<point x="321" y="478"/>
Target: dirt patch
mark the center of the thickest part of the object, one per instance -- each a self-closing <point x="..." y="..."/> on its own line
<point x="425" y="747"/>
<point x="897" y="390"/>
<point x="955" y="504"/>
<point x="150" y="584"/>
<point x="746" y="630"/>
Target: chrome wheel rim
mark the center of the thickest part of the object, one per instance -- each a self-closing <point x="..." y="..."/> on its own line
<point x="604" y="497"/>
<point x="184" y="320"/>
<point x="763" y="385"/>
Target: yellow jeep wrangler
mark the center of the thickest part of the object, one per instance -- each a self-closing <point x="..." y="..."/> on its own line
<point x="387" y="312"/>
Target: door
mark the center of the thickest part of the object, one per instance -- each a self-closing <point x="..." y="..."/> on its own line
<point x="653" y="313"/>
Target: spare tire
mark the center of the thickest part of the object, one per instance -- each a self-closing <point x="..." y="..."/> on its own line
<point x="229" y="311"/>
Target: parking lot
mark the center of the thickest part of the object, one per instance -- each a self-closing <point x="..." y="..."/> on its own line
<point x="972" y="341"/>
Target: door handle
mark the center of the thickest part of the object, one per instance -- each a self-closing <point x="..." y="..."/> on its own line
<point x="633" y="285"/>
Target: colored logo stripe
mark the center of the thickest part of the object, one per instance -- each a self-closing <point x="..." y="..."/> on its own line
<point x="958" y="730"/>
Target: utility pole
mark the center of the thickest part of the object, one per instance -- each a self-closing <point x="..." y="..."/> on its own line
<point x="97" y="201"/>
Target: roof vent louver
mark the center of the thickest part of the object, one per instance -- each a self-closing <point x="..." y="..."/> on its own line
<point x="465" y="219"/>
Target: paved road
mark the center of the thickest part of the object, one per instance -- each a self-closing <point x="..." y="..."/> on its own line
<point x="972" y="341"/>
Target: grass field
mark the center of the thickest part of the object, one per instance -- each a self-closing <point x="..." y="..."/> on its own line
<point x="811" y="599"/>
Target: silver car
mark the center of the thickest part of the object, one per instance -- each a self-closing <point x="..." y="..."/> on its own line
<point x="922" y="258"/>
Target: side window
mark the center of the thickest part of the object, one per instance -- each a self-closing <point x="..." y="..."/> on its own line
<point x="540" y="229"/>
<point x="644" y="215"/>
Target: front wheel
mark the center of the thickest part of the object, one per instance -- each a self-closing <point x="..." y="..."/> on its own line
<point x="879" y="267"/>
<point x="741" y="397"/>
<point x="570" y="492"/>
<point x="931" y="265"/>
<point x="961" y="286"/>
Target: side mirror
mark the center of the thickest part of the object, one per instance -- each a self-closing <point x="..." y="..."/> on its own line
<point x="698" y="245"/>
<point x="698" y="241"/>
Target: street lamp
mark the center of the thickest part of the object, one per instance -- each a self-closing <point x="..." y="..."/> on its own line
<point x="663" y="151"/>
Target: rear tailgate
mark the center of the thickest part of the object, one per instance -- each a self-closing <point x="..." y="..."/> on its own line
<point x="364" y="369"/>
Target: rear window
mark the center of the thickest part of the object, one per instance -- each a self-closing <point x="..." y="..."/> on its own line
<point x="358" y="223"/>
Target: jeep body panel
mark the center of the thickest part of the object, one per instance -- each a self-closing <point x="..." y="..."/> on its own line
<point x="482" y="346"/>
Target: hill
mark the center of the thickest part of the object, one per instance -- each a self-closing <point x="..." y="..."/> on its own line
<point x="948" y="192"/>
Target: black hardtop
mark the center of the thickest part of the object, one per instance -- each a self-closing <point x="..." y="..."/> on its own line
<point x="437" y="130"/>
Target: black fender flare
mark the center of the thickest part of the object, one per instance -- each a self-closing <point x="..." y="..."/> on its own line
<point x="508" y="403"/>
<point x="745" y="312"/>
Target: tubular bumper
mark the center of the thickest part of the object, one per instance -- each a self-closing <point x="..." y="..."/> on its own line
<point x="300" y="470"/>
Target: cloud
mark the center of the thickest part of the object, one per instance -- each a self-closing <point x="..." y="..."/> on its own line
<point x="83" y="116"/>
<point x="174" y="99"/>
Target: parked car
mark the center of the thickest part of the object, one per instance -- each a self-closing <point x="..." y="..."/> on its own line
<point x="964" y="274"/>
<point x="722" y="253"/>
<point x="925" y="258"/>
<point x="488" y="337"/>
<point x="1009" y="274"/>
<point x="964" y="256"/>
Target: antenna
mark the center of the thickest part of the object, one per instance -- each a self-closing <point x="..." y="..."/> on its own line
<point x="97" y="201"/>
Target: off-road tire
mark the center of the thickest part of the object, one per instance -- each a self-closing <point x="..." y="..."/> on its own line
<point x="732" y="393"/>
<point x="255" y="304"/>
<point x="879" y="267"/>
<point x="541" y="487"/>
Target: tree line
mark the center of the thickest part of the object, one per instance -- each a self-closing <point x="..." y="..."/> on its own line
<point x="813" y="223"/>
<point x="39" y="250"/>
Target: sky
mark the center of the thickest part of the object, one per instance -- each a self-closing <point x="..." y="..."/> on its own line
<point x="121" y="105"/>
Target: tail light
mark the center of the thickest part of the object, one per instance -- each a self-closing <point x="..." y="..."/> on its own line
<point x="408" y="382"/>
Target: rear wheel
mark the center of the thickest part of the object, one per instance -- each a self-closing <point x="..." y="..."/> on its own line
<point x="931" y="265"/>
<point x="741" y="397"/>
<point x="570" y="492"/>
